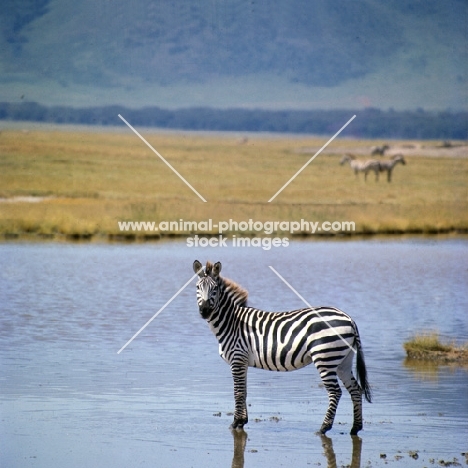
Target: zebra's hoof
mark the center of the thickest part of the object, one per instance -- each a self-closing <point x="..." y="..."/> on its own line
<point x="355" y="430"/>
<point x="325" y="428"/>
<point x="238" y="423"/>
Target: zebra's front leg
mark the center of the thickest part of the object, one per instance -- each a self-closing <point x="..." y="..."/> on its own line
<point x="334" y="395"/>
<point x="239" y="375"/>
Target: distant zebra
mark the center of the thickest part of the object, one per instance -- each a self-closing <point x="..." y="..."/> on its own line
<point x="379" y="150"/>
<point x="361" y="166"/>
<point x="282" y="341"/>
<point x="389" y="165"/>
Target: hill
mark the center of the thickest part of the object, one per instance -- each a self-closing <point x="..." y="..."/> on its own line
<point x="271" y="54"/>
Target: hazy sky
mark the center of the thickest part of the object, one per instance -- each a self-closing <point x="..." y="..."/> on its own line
<point x="263" y="54"/>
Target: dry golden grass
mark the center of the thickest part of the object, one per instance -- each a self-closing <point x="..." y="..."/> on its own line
<point x="92" y="180"/>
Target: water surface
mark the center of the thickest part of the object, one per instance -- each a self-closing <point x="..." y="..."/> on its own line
<point x="68" y="399"/>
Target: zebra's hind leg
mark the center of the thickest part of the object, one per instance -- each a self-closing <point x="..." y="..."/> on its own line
<point x="345" y="374"/>
<point x="334" y="394"/>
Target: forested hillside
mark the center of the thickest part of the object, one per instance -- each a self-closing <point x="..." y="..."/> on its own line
<point x="370" y="123"/>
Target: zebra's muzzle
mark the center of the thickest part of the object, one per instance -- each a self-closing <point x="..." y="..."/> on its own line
<point x="205" y="309"/>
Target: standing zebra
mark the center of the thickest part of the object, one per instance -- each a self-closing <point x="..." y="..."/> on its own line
<point x="361" y="166"/>
<point x="389" y="165"/>
<point x="379" y="150"/>
<point x="281" y="341"/>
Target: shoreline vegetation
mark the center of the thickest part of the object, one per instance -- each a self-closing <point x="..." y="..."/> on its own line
<point x="77" y="185"/>
<point x="246" y="242"/>
<point x="429" y="347"/>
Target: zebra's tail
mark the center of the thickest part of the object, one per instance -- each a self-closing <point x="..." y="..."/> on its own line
<point x="361" y="370"/>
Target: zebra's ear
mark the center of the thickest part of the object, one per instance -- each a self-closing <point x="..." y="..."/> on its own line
<point x="216" y="269"/>
<point x="198" y="268"/>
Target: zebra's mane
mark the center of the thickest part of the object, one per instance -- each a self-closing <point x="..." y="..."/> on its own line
<point x="236" y="292"/>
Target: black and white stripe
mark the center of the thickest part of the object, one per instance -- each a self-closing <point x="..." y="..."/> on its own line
<point x="281" y="341"/>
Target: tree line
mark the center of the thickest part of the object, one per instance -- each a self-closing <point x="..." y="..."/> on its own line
<point x="370" y="122"/>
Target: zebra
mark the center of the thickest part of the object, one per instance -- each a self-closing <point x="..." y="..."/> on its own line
<point x="361" y="166"/>
<point x="389" y="165"/>
<point x="379" y="150"/>
<point x="282" y="341"/>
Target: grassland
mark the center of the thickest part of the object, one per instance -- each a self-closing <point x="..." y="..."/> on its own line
<point x="83" y="183"/>
<point x="429" y="347"/>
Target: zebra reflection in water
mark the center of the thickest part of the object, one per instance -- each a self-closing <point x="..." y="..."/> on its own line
<point x="240" y="442"/>
<point x="283" y="341"/>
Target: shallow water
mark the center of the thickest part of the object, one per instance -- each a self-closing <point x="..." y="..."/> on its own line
<point x="68" y="399"/>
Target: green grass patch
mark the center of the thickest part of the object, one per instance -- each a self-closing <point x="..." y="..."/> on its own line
<point x="427" y="342"/>
<point x="429" y="347"/>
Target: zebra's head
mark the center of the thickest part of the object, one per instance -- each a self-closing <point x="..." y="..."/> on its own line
<point x="207" y="286"/>
<point x="346" y="158"/>
<point x="399" y="158"/>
